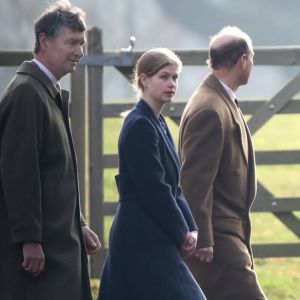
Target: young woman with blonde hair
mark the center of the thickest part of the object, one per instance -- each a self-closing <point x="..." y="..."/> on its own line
<point x="153" y="227"/>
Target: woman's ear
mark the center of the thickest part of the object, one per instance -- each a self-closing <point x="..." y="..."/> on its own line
<point x="144" y="80"/>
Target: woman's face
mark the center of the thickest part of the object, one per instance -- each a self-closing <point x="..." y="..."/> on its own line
<point x="162" y="86"/>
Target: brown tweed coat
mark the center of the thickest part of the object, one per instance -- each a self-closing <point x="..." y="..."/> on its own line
<point x="218" y="181"/>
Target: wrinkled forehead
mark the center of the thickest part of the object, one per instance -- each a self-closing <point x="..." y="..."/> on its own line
<point x="68" y="32"/>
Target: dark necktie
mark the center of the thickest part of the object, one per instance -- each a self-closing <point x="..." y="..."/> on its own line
<point x="58" y="99"/>
<point x="58" y="87"/>
<point x="236" y="102"/>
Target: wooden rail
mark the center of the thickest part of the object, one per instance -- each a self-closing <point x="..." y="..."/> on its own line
<point x="88" y="111"/>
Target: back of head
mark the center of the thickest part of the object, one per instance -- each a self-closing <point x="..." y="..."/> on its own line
<point x="152" y="61"/>
<point x="227" y="46"/>
<point x="61" y="13"/>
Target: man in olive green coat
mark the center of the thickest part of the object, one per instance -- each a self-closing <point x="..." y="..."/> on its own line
<point x="43" y="235"/>
<point x="218" y="172"/>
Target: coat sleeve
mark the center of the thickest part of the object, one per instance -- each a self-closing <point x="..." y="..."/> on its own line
<point x="200" y="150"/>
<point x="147" y="172"/>
<point x="186" y="211"/>
<point x="20" y="159"/>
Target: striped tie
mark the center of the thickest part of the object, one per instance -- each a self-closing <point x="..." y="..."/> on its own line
<point x="58" y="87"/>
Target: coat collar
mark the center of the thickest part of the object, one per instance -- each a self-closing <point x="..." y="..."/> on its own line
<point x="166" y="136"/>
<point x="30" y="68"/>
<point x="214" y="83"/>
<point x="147" y="110"/>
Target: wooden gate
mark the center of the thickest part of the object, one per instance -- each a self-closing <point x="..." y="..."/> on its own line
<point x="88" y="111"/>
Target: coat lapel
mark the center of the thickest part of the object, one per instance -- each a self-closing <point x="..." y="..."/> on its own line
<point x="61" y="100"/>
<point x="170" y="144"/>
<point x="237" y="117"/>
<point x="165" y="136"/>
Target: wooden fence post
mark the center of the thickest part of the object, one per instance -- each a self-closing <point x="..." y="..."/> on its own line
<point x="95" y="144"/>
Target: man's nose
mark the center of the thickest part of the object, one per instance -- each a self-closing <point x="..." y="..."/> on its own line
<point x="79" y="51"/>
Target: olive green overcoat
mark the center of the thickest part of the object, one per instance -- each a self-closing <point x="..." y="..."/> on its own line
<point x="39" y="192"/>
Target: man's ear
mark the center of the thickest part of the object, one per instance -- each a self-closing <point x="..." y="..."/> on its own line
<point x="243" y="61"/>
<point x="43" y="39"/>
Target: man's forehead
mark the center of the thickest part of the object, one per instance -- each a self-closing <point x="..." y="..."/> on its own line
<point x="64" y="30"/>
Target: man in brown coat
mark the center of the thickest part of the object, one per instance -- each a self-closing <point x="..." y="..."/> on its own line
<point x="43" y="235"/>
<point x="218" y="172"/>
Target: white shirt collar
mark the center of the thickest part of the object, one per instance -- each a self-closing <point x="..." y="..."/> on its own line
<point x="46" y="71"/>
<point x="229" y="91"/>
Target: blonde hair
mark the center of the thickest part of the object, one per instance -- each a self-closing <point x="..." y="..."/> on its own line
<point x="151" y="62"/>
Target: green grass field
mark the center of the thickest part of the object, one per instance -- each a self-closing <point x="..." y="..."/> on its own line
<point x="279" y="277"/>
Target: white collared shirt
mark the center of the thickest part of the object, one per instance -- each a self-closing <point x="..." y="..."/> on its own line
<point x="229" y="91"/>
<point x="46" y="71"/>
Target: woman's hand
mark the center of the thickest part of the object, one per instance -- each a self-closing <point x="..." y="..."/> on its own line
<point x="189" y="244"/>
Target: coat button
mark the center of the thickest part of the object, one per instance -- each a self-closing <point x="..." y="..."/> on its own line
<point x="237" y="172"/>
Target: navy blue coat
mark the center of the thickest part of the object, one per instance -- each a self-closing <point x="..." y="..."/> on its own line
<point x="152" y="219"/>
